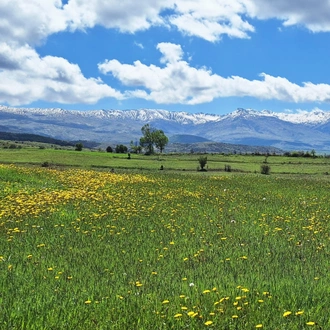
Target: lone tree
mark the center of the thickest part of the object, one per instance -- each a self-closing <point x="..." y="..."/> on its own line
<point x="152" y="137"/>
<point x="79" y="147"/>
<point x="202" y="162"/>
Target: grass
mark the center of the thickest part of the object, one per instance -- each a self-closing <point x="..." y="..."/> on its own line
<point x="183" y="162"/>
<point x="86" y="249"/>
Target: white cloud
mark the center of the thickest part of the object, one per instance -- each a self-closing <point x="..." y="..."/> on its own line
<point x="138" y="44"/>
<point x="127" y="16"/>
<point x="211" y="19"/>
<point x="314" y="15"/>
<point x="178" y="82"/>
<point x="171" y="52"/>
<point x="26" y="77"/>
<point x="30" y="21"/>
<point x="33" y="21"/>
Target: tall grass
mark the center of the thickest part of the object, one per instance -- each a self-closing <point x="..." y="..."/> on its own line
<point x="82" y="249"/>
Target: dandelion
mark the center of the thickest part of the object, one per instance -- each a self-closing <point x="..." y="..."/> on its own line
<point x="177" y="315"/>
<point x="310" y="323"/>
<point x="299" y="312"/>
<point x="191" y="284"/>
<point x="287" y="313"/>
<point x="235" y="316"/>
<point x="88" y="302"/>
<point x="192" y="314"/>
<point x="165" y="302"/>
<point x="206" y="291"/>
<point x="208" y="323"/>
<point x="259" y="326"/>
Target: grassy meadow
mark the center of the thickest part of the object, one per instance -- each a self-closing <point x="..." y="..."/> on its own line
<point x="84" y="248"/>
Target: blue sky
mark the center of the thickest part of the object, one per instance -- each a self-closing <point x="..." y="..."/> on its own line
<point x="188" y="55"/>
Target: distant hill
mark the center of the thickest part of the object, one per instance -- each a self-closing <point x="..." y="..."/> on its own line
<point x="217" y="147"/>
<point x="33" y="138"/>
<point x="186" y="138"/>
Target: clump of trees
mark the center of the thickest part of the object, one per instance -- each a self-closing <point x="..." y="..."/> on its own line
<point x="152" y="138"/>
<point x="306" y="154"/>
<point x="120" y="149"/>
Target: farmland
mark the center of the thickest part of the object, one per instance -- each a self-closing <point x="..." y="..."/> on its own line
<point x="84" y="248"/>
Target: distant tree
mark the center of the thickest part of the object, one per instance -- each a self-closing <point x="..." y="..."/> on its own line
<point x="147" y="141"/>
<point x="79" y="146"/>
<point x="120" y="149"/>
<point x="109" y="149"/>
<point x="160" y="140"/>
<point x="134" y="148"/>
<point x="152" y="138"/>
<point x="313" y="152"/>
<point x="202" y="162"/>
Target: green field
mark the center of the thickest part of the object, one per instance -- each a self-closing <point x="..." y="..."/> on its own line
<point x="84" y="248"/>
<point x="170" y="162"/>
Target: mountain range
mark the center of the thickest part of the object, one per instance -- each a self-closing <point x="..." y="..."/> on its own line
<point x="287" y="131"/>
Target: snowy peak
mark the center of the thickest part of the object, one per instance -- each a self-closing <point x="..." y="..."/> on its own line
<point x="289" y="131"/>
<point x="316" y="116"/>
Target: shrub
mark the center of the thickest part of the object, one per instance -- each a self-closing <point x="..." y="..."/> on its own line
<point x="227" y="168"/>
<point x="265" y="169"/>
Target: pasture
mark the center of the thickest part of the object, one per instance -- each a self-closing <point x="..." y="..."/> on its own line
<point x="84" y="248"/>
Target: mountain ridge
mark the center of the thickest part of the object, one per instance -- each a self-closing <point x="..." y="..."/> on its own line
<point x="288" y="131"/>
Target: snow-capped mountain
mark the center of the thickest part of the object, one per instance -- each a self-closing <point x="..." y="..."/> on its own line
<point x="289" y="131"/>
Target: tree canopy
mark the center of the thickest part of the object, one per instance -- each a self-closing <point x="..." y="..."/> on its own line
<point x="153" y="138"/>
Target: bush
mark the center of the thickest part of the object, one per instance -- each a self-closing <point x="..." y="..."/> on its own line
<point x="227" y="168"/>
<point x="265" y="169"/>
<point x="79" y="147"/>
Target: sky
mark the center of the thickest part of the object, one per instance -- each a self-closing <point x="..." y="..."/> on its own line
<point x="210" y="56"/>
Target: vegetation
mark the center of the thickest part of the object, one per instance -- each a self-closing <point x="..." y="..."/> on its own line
<point x="202" y="162"/>
<point x="79" y="147"/>
<point x="121" y="149"/>
<point x="171" y="162"/>
<point x="85" y="249"/>
<point x="152" y="138"/>
<point x="109" y="149"/>
<point x="32" y="138"/>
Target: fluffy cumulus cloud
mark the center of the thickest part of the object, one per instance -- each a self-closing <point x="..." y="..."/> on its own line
<point x="26" y="77"/>
<point x="314" y="15"/>
<point x="177" y="82"/>
<point x="32" y="21"/>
